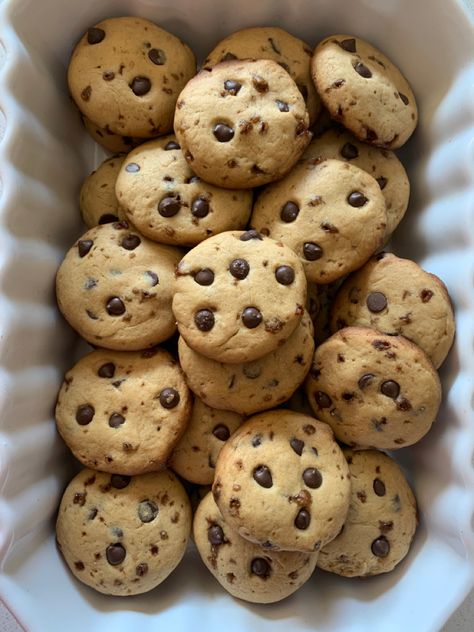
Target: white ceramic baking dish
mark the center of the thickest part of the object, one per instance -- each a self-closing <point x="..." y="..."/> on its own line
<point x="43" y="157"/>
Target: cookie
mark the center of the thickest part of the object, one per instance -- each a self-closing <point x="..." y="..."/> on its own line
<point x="115" y="143"/>
<point x="270" y="42"/>
<point x="398" y="297"/>
<point x="194" y="458"/>
<point x="251" y="387"/>
<point x="126" y="74"/>
<point x="382" y="164"/>
<point x="242" y="124"/>
<point x="238" y="295"/>
<point x="123" y="535"/>
<point x="123" y="411"/>
<point x="166" y="202"/>
<point x="381" y="522"/>
<point x="114" y="288"/>
<point x="375" y="391"/>
<point x="364" y="91"/>
<point x="243" y="568"/>
<point x="282" y="481"/>
<point x="331" y="213"/>
<point x="97" y="199"/>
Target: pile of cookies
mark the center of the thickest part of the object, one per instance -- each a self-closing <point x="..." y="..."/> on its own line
<point x="248" y="333"/>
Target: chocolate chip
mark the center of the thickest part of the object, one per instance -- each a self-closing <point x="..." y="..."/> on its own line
<point x="403" y="404"/>
<point x="260" y="84"/>
<point x="141" y="569"/>
<point x="251" y="317"/>
<point x="83" y="246"/>
<point x="302" y="519"/>
<point x="404" y="98"/>
<point x="362" y="70"/>
<point x="115" y="554"/>
<point x="312" y="477"/>
<point x="223" y="132"/>
<point x="215" y="535"/>
<point x="200" y="207"/>
<point x="380" y="547"/>
<point x="115" y="306"/>
<point x="297" y="446"/>
<point x="365" y="380"/>
<point x="95" y="35"/>
<point x="172" y="144"/>
<point x="390" y="388"/>
<point x="357" y="199"/>
<point x="157" y="56"/>
<point x="106" y="370"/>
<point x="232" y="87"/>
<point x="349" y="45"/>
<point x="221" y="432"/>
<point x="204" y="320"/>
<point x="382" y="182"/>
<point x="260" y="567"/>
<point x="252" y="371"/>
<point x="239" y="268"/>
<point x="132" y="167"/>
<point x="116" y="420"/>
<point x="85" y="414"/>
<point x="285" y="275"/>
<point x="312" y="251"/>
<point x="108" y="75"/>
<point x="322" y="399"/>
<point x="289" y="212"/>
<point x="379" y="487"/>
<point x="140" y="86"/>
<point x="147" y="510"/>
<point x="153" y="277"/>
<point x="263" y="476"/>
<point x="169" y="398"/>
<point x="205" y="276"/>
<point x="251" y="234"/>
<point x="257" y="440"/>
<point x="86" y="93"/>
<point x="79" y="499"/>
<point x="130" y="241"/>
<point x="426" y="295"/>
<point x="376" y="302"/>
<point x="349" y="151"/>
<point x="107" y="218"/>
<point x="169" y="206"/>
<point x="282" y="106"/>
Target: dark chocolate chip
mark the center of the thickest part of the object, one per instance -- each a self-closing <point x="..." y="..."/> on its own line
<point x="130" y="241"/>
<point x="302" y="519"/>
<point x="147" y="510"/>
<point x="263" y="476"/>
<point x="282" y="106"/>
<point x="221" y="432"/>
<point x="357" y="199"/>
<point x="86" y="93"/>
<point x="362" y="70"/>
<point x="239" y="268"/>
<point x="153" y="277"/>
<point x="115" y="554"/>
<point x="108" y="75"/>
<point x="382" y="182"/>
<point x="223" y="132"/>
<point x="215" y="535"/>
<point x="297" y="446"/>
<point x="312" y="477"/>
<point x="365" y="380"/>
<point x="200" y="207"/>
<point x="257" y="440"/>
<point x="289" y="212"/>
<point x="260" y="567"/>
<point x="390" y="388"/>
<point x="322" y="399"/>
<point x="140" y="86"/>
<point x="379" y="487"/>
<point x="251" y="317"/>
<point x="116" y="420"/>
<point x="204" y="320"/>
<point x="141" y="569"/>
<point x="380" y="547"/>
<point x="83" y="246"/>
<point x="172" y="144"/>
<point x="404" y="98"/>
<point x="115" y="306"/>
<point x="169" y="398"/>
<point x="205" y="276"/>
<point x="349" y="45"/>
<point x="106" y="370"/>
<point x="157" y="56"/>
<point x="107" y="218"/>
<point x="312" y="251"/>
<point x="285" y="275"/>
<point x="426" y="295"/>
<point x="260" y="84"/>
<point x="132" y="167"/>
<point x="376" y="302"/>
<point x="85" y="414"/>
<point x="95" y="35"/>
<point x="119" y="481"/>
<point x="169" y="206"/>
<point x="251" y="234"/>
<point x="232" y="87"/>
<point x="349" y="151"/>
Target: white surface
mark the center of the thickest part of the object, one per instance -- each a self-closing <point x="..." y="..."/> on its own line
<point x="43" y="157"/>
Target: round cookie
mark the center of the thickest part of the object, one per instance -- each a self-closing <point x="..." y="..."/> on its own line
<point x="123" y="411"/>
<point x="97" y="199"/>
<point x="396" y="296"/>
<point x="381" y="522"/>
<point x="270" y="42"/>
<point x="364" y="91"/>
<point x="238" y="295"/>
<point x="251" y="387"/>
<point x="126" y="73"/>
<point x="194" y="457"/>
<point x="375" y="391"/>
<point x="331" y="213"/>
<point x="243" y="568"/>
<point x="282" y="481"/>
<point x="382" y="164"/>
<point x="115" y="143"/>
<point x="166" y="202"/>
<point x="121" y="535"/>
<point x="242" y="124"/>
<point x="114" y="288"/>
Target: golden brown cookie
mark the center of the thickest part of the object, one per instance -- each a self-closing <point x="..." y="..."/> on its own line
<point x="97" y="199"/>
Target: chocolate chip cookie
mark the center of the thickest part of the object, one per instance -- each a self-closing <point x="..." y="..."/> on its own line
<point x="238" y="296"/>
<point x="396" y="296"/>
<point x="241" y="124"/>
<point x="375" y="391"/>
<point x="364" y="91"/>
<point x="331" y="213"/>
<point x="271" y="42"/>
<point x="115" y="143"/>
<point x="251" y="387"/>
<point x="123" y="535"/>
<point x="282" y="481"/>
<point x="126" y="74"/>
<point x="243" y="568"/>
<point x="168" y="203"/>
<point x="194" y="458"/>
<point x="97" y="199"/>
<point x="382" y="164"/>
<point x="114" y="288"/>
<point x="123" y="411"/>
<point x="381" y="522"/>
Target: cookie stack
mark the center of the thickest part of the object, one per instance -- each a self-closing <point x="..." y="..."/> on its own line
<point x="292" y="353"/>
